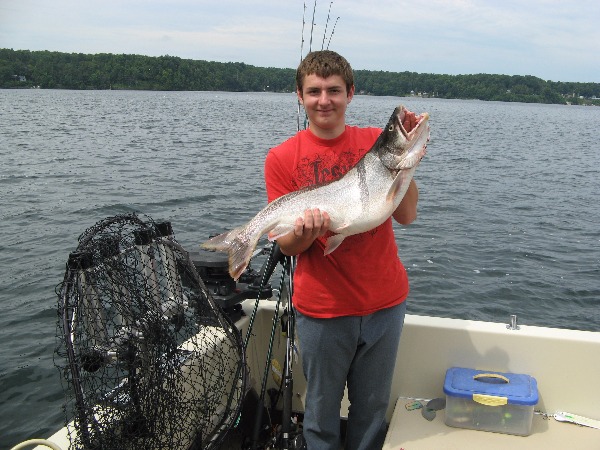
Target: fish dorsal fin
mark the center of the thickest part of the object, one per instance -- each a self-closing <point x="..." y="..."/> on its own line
<point x="333" y="242"/>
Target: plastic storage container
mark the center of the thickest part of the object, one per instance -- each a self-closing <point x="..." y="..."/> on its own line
<point x="490" y="401"/>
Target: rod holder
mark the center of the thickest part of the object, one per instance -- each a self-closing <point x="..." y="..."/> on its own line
<point x="513" y="323"/>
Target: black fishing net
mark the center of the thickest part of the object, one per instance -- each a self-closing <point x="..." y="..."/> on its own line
<point x="148" y="361"/>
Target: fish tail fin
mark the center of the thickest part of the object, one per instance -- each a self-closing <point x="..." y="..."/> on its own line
<point x="239" y="250"/>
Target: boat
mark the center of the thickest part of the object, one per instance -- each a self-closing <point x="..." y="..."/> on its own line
<point x="563" y="363"/>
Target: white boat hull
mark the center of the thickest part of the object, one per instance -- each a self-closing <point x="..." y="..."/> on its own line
<point x="565" y="364"/>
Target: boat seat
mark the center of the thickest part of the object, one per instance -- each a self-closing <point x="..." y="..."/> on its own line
<point x="408" y="430"/>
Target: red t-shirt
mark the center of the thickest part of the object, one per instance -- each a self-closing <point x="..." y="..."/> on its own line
<point x="364" y="274"/>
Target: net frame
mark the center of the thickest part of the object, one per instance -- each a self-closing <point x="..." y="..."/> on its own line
<point x="147" y="358"/>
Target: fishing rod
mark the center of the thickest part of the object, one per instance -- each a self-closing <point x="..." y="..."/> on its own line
<point x="290" y="439"/>
<point x="287" y="441"/>
<point x="302" y="41"/>
<point x="301" y="56"/>
<point x="312" y="27"/>
<point x="274" y="258"/>
<point x="326" y="24"/>
<point x="332" y="31"/>
<point x="310" y="45"/>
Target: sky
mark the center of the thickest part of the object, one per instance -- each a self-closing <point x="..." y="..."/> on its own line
<point x="552" y="40"/>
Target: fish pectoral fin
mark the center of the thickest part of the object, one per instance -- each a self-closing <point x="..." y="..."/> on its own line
<point x="396" y="186"/>
<point x="279" y="231"/>
<point x="340" y="228"/>
<point x="333" y="242"/>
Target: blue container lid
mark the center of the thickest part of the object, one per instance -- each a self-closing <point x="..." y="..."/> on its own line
<point x="491" y="388"/>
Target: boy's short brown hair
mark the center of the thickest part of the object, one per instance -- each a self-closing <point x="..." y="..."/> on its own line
<point x="324" y="63"/>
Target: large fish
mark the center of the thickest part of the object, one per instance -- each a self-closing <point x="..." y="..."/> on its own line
<point x="365" y="197"/>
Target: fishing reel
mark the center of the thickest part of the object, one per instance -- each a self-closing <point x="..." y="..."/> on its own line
<point x="213" y="268"/>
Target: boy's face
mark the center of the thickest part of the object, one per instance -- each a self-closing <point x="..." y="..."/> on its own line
<point x="325" y="101"/>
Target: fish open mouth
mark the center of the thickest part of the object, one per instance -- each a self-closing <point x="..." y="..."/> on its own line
<point x="399" y="119"/>
<point x="415" y="152"/>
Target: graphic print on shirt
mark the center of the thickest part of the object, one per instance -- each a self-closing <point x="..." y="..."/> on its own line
<point x="323" y="168"/>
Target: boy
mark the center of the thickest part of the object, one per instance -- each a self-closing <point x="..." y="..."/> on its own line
<point x="350" y="304"/>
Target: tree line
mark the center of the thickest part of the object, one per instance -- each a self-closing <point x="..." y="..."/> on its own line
<point x="57" y="70"/>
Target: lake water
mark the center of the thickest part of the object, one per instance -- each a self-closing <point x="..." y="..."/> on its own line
<point x="508" y="215"/>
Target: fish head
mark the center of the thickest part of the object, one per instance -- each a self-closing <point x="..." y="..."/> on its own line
<point x="398" y="148"/>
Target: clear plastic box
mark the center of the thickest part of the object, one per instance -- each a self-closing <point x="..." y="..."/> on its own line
<point x="490" y="401"/>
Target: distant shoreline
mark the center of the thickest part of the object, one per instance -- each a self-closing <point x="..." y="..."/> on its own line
<point x="24" y="69"/>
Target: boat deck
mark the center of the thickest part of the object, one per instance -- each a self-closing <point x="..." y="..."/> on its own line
<point x="408" y="430"/>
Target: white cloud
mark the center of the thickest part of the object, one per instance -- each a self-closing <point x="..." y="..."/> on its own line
<point x="545" y="38"/>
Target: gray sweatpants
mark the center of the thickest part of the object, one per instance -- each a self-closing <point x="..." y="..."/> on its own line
<point x="359" y="351"/>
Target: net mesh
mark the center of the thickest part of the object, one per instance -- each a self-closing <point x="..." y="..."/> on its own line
<point x="147" y="359"/>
